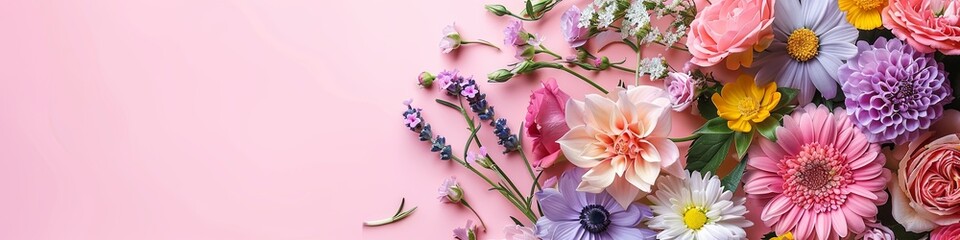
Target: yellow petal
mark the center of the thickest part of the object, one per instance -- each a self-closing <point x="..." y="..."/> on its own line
<point x="739" y="125"/>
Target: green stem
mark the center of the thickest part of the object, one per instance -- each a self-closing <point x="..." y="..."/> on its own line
<point x="547" y="51"/>
<point x="481" y="42"/>
<point x="529" y="168"/>
<point x="465" y="204"/>
<point x="581" y="77"/>
<point x="522" y="18"/>
<point x="623" y="68"/>
<point x="687" y="138"/>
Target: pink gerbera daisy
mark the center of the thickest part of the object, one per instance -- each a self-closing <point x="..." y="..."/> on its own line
<point x="822" y="179"/>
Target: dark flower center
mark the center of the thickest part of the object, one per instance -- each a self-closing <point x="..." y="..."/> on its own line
<point x="594" y="218"/>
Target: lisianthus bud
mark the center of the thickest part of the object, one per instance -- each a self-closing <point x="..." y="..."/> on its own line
<point x="525" y="67"/>
<point x="501" y="75"/>
<point x="426" y="79"/>
<point x="450" y="191"/>
<point x="528" y="52"/>
<point x="497" y="9"/>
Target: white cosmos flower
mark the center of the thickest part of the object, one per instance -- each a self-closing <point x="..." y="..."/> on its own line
<point x="697" y="208"/>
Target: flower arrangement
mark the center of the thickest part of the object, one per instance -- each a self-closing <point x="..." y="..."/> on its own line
<point x="838" y="118"/>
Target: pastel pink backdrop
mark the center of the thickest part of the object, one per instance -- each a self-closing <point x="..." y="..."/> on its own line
<point x="245" y="119"/>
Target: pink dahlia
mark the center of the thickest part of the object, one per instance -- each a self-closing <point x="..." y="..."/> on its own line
<point x="822" y="179"/>
<point x="927" y="25"/>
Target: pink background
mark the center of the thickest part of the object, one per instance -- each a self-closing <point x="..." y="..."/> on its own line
<point x="245" y="119"/>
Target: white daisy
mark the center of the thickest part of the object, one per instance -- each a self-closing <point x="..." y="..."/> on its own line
<point x="697" y="208"/>
<point x="811" y="41"/>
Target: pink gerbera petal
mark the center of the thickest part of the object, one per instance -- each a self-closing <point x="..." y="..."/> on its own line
<point x="817" y="186"/>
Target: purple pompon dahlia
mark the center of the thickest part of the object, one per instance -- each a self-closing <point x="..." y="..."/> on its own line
<point x="893" y="91"/>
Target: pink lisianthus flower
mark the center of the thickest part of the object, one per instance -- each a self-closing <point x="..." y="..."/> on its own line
<point x="923" y="192"/>
<point x="732" y="30"/>
<point x="927" y="25"/>
<point x="682" y="89"/>
<point x="946" y="232"/>
<point x="515" y="232"/>
<point x="569" y="26"/>
<point x="451" y="39"/>
<point x="546" y="123"/>
<point x="623" y="141"/>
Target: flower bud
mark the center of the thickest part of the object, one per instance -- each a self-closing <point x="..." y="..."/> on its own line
<point x="426" y="79"/>
<point x="603" y="63"/>
<point x="484" y="162"/>
<point x="528" y="52"/>
<point x="501" y="75"/>
<point x="450" y="191"/>
<point x="497" y="9"/>
<point x="525" y="67"/>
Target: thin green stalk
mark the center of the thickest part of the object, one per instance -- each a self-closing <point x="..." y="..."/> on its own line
<point x="481" y="42"/>
<point x="529" y="169"/>
<point x="465" y="204"/>
<point x="687" y="138"/>
<point x="581" y="77"/>
<point x="623" y="68"/>
<point x="547" y="51"/>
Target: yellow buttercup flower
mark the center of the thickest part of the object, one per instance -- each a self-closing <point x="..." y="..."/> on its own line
<point x="743" y="104"/>
<point x="785" y="236"/>
<point x="863" y="14"/>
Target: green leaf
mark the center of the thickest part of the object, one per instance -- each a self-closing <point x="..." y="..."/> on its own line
<point x="732" y="180"/>
<point x="768" y="128"/>
<point x="529" y="10"/>
<point x="708" y="151"/>
<point x="715" y="126"/>
<point x="742" y="140"/>
<point x="707" y="109"/>
<point x="786" y="96"/>
<point x="400" y="215"/>
<point x="515" y="221"/>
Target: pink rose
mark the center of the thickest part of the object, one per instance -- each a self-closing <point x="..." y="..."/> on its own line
<point x="730" y="28"/>
<point x="682" y="90"/>
<point x="946" y="233"/>
<point x="876" y="231"/>
<point x="924" y="192"/>
<point x="546" y="122"/>
<point x="927" y="25"/>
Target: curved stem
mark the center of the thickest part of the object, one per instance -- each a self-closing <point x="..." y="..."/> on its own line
<point x="547" y="51"/>
<point x="618" y="67"/>
<point x="465" y="204"/>
<point x="581" y="77"/>
<point x="481" y="42"/>
<point x="687" y="138"/>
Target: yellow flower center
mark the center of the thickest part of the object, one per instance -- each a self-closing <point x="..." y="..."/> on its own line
<point x="748" y="106"/>
<point x="695" y="218"/>
<point x="803" y="44"/>
<point x="869" y="4"/>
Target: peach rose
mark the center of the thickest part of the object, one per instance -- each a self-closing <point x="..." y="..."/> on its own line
<point x="927" y="25"/>
<point x="732" y="30"/>
<point x="926" y="192"/>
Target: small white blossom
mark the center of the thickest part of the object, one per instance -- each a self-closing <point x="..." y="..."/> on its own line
<point x="606" y="15"/>
<point x="656" y="67"/>
<point x="586" y="16"/>
<point x="673" y="37"/>
<point x="636" y="18"/>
